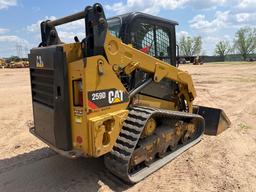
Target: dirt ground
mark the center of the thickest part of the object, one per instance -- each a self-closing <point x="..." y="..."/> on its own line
<point x="223" y="163"/>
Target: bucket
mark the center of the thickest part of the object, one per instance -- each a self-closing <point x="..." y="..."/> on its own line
<point x="216" y="121"/>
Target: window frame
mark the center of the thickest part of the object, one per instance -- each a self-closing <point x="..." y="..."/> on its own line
<point x="157" y="23"/>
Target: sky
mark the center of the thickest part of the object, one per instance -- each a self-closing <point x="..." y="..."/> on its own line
<point x="213" y="20"/>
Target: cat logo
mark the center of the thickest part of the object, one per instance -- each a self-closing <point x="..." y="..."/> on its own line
<point x="39" y="62"/>
<point x="116" y="96"/>
<point x="106" y="97"/>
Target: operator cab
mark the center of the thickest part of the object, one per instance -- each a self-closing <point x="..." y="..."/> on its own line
<point x="154" y="36"/>
<point x="150" y="34"/>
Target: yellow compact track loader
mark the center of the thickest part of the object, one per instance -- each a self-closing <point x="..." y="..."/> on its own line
<point x="117" y="93"/>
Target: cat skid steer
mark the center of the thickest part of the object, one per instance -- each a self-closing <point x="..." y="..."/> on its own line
<point x="117" y="93"/>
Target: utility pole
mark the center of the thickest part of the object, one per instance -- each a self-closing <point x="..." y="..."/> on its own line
<point x="19" y="50"/>
<point x="25" y="52"/>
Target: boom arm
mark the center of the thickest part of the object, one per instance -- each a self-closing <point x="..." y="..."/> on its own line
<point x="125" y="57"/>
<point x="121" y="56"/>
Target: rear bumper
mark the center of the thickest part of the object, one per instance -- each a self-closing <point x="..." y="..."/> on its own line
<point x="71" y="154"/>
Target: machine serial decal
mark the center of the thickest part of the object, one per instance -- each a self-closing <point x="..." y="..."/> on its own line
<point x="106" y="97"/>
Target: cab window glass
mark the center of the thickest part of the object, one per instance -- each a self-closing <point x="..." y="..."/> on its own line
<point x="153" y="40"/>
<point x="114" y="26"/>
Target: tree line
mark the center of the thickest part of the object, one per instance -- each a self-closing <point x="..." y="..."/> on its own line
<point x="244" y="43"/>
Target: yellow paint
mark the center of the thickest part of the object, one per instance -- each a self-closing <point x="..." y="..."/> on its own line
<point x="154" y="102"/>
<point x="99" y="128"/>
<point x="117" y="100"/>
<point x="123" y="55"/>
<point x="78" y="119"/>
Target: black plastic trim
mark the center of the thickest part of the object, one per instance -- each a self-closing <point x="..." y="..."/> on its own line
<point x="52" y="119"/>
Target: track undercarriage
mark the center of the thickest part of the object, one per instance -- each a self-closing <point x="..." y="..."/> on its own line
<point x="149" y="139"/>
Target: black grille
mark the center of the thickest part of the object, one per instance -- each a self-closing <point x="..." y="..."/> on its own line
<point x="42" y="86"/>
<point x="49" y="85"/>
<point x="153" y="40"/>
<point x="144" y="37"/>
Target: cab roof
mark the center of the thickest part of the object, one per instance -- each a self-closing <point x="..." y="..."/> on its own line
<point x="132" y="15"/>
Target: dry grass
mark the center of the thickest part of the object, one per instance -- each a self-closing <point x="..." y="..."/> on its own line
<point x="233" y="63"/>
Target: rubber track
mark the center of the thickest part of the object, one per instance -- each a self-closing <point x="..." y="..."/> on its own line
<point x="117" y="161"/>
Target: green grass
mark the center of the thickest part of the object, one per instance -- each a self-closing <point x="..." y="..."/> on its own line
<point x="243" y="126"/>
<point x="253" y="113"/>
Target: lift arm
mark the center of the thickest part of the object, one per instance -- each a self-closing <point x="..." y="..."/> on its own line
<point x="125" y="57"/>
<point x="99" y="41"/>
